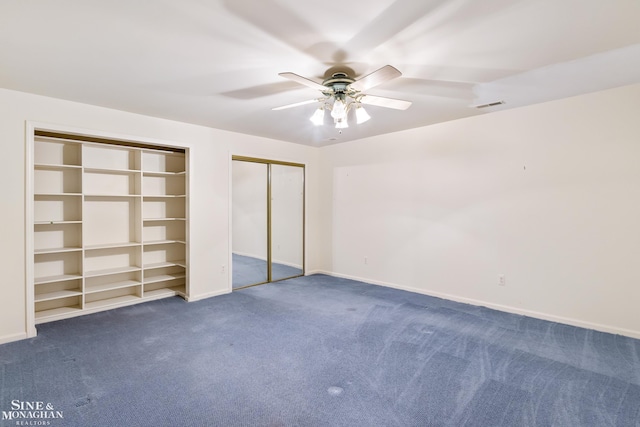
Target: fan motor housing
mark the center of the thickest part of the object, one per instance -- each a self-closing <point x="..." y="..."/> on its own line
<point x="338" y="82"/>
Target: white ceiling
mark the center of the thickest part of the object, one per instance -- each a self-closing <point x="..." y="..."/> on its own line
<point x="216" y="62"/>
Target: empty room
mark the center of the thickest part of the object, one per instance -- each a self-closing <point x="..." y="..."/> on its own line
<point x="295" y="213"/>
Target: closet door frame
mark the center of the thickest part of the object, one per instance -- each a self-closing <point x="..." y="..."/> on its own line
<point x="269" y="163"/>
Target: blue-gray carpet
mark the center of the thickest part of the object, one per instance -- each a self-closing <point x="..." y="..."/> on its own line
<point x="249" y="271"/>
<point x="321" y="351"/>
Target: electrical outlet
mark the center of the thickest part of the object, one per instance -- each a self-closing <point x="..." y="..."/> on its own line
<point x="222" y="268"/>
<point x="502" y="281"/>
<point x="366" y="260"/>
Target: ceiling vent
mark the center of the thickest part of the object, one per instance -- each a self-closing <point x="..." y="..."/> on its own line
<point x="491" y="104"/>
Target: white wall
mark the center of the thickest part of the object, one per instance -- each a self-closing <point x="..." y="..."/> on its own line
<point x="211" y="152"/>
<point x="546" y="195"/>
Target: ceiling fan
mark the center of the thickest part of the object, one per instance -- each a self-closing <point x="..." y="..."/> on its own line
<point x="341" y="93"/>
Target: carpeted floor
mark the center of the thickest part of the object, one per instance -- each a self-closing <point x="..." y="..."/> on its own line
<point x="322" y="351"/>
<point x="250" y="270"/>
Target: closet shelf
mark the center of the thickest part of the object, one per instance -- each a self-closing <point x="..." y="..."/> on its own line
<point x="112" y="171"/>
<point x="56" y="313"/>
<point x="56" y="222"/>
<point x="111" y="196"/>
<point x="53" y="166"/>
<point x="110" y="271"/>
<point x="179" y="263"/>
<point x="163" y="174"/>
<point x="164" y="292"/>
<point x="91" y="289"/>
<point x="164" y="278"/>
<point x="58" y="278"/>
<point x="112" y="302"/>
<point x="112" y="245"/>
<point x="42" y="195"/>
<point x="57" y="250"/>
<point x="163" y="242"/>
<point x="56" y="295"/>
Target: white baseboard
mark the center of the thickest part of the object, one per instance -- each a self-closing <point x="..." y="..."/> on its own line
<point x="508" y="309"/>
<point x="309" y="273"/>
<point x="194" y="298"/>
<point x="15" y="337"/>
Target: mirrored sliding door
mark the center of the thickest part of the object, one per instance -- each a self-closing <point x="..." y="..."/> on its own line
<point x="249" y="242"/>
<point x="268" y="221"/>
<point x="287" y="225"/>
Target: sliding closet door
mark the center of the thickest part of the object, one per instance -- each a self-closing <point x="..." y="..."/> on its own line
<point x="268" y="221"/>
<point x="287" y="221"/>
<point x="249" y="233"/>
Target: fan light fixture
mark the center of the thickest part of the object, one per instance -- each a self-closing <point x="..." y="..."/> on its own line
<point x="361" y="114"/>
<point x="341" y="123"/>
<point x="339" y="111"/>
<point x="318" y="117"/>
<point x="342" y="93"/>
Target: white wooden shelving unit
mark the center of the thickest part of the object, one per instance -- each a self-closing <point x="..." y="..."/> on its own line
<point x="109" y="226"/>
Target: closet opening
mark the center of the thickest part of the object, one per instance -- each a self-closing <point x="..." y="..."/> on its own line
<point x="109" y="223"/>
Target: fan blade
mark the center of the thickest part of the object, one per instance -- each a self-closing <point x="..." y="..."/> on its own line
<point x="297" y="104"/>
<point x="304" y="81"/>
<point x="379" y="101"/>
<point x="379" y="76"/>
